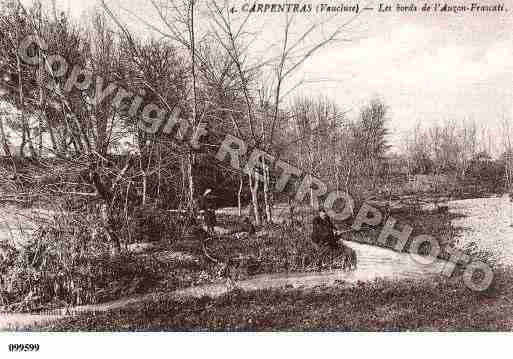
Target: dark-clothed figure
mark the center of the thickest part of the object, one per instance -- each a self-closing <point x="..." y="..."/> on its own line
<point x="206" y="204"/>
<point x="323" y="235"/>
<point x="323" y="231"/>
<point x="248" y="227"/>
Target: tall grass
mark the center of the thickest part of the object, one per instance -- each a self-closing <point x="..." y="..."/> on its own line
<point x="67" y="261"/>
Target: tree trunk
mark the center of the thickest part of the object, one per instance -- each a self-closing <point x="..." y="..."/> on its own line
<point x="253" y="186"/>
<point x="159" y="175"/>
<point x="105" y="213"/>
<point x="239" y="195"/>
<point x="40" y="138"/>
<point x="291" y="210"/>
<point x="268" y="213"/>
<point x="23" y="139"/>
<point x="188" y="185"/>
<point x="190" y="181"/>
<point x="30" y="143"/>
<point x="145" y="187"/>
<point x="5" y="144"/>
<point x="109" y="230"/>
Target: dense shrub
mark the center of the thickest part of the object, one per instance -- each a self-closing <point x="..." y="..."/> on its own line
<point x="65" y="262"/>
<point x="150" y="224"/>
<point x="87" y="280"/>
<point x="486" y="174"/>
<point x="274" y="249"/>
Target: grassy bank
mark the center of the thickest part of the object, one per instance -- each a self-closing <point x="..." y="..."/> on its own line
<point x="89" y="278"/>
<point x="423" y="222"/>
<point x="437" y="304"/>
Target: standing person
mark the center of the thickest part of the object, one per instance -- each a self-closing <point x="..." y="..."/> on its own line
<point x="323" y="235"/>
<point x="248" y="227"/>
<point x="206" y="204"/>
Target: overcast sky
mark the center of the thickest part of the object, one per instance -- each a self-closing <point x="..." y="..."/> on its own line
<point x="426" y="67"/>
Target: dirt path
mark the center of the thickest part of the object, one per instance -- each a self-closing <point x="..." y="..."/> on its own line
<point x="373" y="262"/>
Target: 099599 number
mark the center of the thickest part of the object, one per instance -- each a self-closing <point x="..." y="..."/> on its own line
<point x="23" y="347"/>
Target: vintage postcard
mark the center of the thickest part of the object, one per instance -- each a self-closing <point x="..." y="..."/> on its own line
<point x="223" y="165"/>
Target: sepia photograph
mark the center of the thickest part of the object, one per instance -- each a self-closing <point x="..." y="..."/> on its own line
<point x="230" y="166"/>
